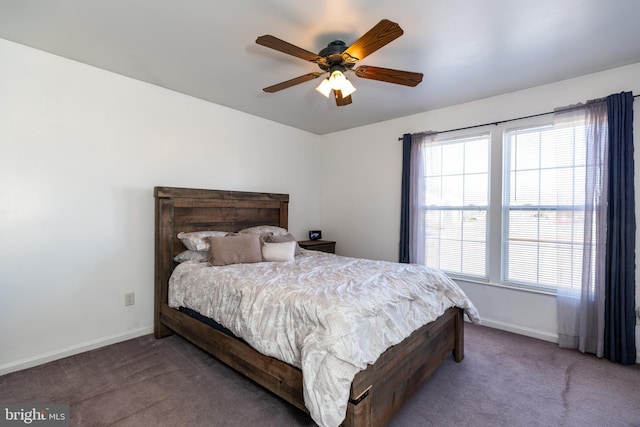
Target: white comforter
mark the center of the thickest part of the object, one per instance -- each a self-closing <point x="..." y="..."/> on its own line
<point x="329" y="315"/>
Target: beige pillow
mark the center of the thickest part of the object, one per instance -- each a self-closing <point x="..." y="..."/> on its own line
<point x="235" y="249"/>
<point x="284" y="238"/>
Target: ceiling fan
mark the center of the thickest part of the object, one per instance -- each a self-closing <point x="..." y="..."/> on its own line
<point x="338" y="58"/>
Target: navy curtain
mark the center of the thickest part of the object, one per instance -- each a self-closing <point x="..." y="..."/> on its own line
<point x="405" y="199"/>
<point x="619" y="332"/>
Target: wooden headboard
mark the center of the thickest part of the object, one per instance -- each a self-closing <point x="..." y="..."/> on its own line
<point x="188" y="209"/>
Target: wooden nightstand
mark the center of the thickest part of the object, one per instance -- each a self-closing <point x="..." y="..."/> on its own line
<point x="319" y="245"/>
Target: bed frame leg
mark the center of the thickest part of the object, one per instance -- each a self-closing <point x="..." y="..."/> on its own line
<point x="163" y="332"/>
<point x="160" y="330"/>
<point x="359" y="412"/>
<point x="458" y="351"/>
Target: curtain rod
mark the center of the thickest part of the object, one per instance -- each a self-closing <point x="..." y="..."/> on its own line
<point x="501" y="121"/>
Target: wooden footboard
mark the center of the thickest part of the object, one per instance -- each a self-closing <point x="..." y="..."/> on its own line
<point x="377" y="393"/>
<point x="402" y="369"/>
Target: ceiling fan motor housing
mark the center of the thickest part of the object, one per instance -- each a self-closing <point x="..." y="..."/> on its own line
<point x="335" y="47"/>
<point x="332" y="58"/>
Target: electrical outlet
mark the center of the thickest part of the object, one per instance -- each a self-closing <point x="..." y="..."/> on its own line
<point x="130" y="298"/>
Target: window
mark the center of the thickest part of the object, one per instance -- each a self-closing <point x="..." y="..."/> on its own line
<point x="456" y="199"/>
<point x="526" y="184"/>
<point x="543" y="208"/>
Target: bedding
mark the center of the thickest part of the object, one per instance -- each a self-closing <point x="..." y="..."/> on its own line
<point x="265" y="229"/>
<point x="189" y="255"/>
<point x="328" y="315"/>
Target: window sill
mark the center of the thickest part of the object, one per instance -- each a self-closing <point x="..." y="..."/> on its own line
<point x="510" y="286"/>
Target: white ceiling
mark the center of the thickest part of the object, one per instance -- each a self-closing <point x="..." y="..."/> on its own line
<point x="466" y="49"/>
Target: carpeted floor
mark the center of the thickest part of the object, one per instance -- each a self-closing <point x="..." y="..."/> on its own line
<point x="504" y="380"/>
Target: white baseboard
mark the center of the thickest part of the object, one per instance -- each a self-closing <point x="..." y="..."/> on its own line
<point x="70" y="351"/>
<point x="533" y="333"/>
<point x="101" y="342"/>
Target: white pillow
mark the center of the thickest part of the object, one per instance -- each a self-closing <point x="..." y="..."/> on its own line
<point x="265" y="229"/>
<point x="284" y="238"/>
<point x="195" y="240"/>
<point x="278" y="252"/>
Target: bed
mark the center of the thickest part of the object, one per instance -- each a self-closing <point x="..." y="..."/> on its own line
<point x="376" y="393"/>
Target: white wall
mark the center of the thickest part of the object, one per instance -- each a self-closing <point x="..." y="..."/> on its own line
<point x="81" y="150"/>
<point x="369" y="159"/>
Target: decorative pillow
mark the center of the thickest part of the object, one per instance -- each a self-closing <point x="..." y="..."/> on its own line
<point x="278" y="252"/>
<point x="238" y="249"/>
<point x="189" y="255"/>
<point x="195" y="240"/>
<point x="265" y="229"/>
<point x="285" y="238"/>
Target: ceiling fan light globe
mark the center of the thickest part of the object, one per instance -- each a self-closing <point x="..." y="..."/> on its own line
<point x="347" y="88"/>
<point x="324" y="87"/>
<point x="339" y="82"/>
<point x="337" y="79"/>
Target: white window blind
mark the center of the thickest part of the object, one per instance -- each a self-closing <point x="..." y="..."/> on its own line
<point x="543" y="206"/>
<point x="456" y="200"/>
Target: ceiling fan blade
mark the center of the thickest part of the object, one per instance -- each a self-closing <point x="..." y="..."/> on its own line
<point x="340" y="101"/>
<point x="285" y="47"/>
<point x="292" y="82"/>
<point x="382" y="33"/>
<point x="407" y="78"/>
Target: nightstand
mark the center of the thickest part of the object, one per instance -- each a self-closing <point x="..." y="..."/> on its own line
<point x="319" y="245"/>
